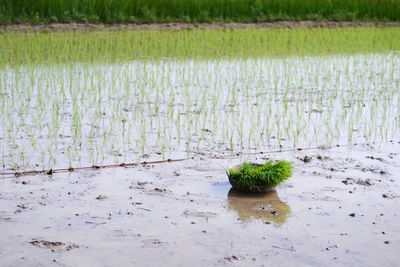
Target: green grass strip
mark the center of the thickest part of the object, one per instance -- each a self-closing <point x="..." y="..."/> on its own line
<point x="150" y="11"/>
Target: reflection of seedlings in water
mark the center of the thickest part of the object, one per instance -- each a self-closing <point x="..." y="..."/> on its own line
<point x="265" y="206"/>
<point x="54" y="115"/>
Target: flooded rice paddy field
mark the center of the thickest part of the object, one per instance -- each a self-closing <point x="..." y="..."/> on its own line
<point x="90" y="114"/>
<point x="335" y="117"/>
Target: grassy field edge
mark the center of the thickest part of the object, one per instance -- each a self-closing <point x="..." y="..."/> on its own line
<point x="163" y="11"/>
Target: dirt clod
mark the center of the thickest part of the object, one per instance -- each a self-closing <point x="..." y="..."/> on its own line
<point x="46" y="244"/>
<point x="306" y="159"/>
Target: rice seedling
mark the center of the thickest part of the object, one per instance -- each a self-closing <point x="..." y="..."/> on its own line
<point x="252" y="176"/>
<point x="84" y="98"/>
<point x="20" y="49"/>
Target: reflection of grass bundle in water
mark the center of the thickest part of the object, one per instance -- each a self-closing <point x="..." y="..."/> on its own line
<point x="267" y="207"/>
<point x="251" y="175"/>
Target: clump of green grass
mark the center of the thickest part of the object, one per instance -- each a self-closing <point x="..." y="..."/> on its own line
<point x="251" y="175"/>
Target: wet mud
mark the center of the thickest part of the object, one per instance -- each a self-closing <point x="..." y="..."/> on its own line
<point x="341" y="207"/>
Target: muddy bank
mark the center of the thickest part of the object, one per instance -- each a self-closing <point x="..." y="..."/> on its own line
<point x="340" y="207"/>
<point x="179" y="25"/>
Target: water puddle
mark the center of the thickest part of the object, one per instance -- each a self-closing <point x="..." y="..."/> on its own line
<point x="216" y="189"/>
<point x="266" y="207"/>
<point x="262" y="206"/>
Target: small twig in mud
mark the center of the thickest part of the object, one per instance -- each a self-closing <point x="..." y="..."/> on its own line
<point x="144" y="209"/>
<point x="61" y="170"/>
<point x="70" y="169"/>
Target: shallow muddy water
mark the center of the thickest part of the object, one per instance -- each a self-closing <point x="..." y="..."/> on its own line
<point x="339" y="208"/>
<point x="90" y="114"/>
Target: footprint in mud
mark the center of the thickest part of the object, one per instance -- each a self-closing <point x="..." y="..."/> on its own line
<point x="265" y="206"/>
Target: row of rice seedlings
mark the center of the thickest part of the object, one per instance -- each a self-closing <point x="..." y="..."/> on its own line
<point x="53" y="115"/>
<point x="18" y="48"/>
<point x="122" y="11"/>
<point x="77" y="131"/>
